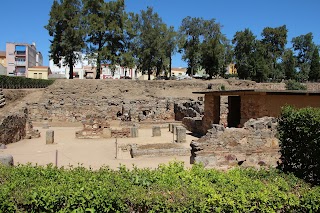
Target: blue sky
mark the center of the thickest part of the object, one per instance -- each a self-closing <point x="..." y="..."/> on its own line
<point x="23" y="20"/>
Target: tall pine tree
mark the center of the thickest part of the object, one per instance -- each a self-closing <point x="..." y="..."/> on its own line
<point x="68" y="36"/>
<point x="314" y="74"/>
<point x="104" y="23"/>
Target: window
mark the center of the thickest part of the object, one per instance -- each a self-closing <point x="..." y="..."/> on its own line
<point x="35" y="75"/>
<point x="40" y="75"/>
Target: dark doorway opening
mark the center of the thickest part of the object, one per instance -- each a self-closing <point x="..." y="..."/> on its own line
<point x="234" y="115"/>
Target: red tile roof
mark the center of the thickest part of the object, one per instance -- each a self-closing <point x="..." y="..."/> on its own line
<point x="3" y="53"/>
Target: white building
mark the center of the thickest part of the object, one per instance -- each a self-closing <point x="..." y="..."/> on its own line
<point x="85" y="68"/>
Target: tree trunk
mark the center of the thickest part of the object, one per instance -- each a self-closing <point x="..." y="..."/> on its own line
<point x="98" y="66"/>
<point x="170" y="62"/>
<point x="149" y="73"/>
<point x="70" y="68"/>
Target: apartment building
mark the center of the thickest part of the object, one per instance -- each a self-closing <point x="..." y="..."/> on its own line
<point x="21" y="56"/>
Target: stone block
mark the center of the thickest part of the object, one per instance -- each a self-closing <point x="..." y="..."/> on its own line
<point x="156" y="131"/>
<point x="181" y="134"/>
<point x="106" y="133"/>
<point x="6" y="159"/>
<point x="134" y="132"/>
<point x="49" y="137"/>
<point x="174" y="128"/>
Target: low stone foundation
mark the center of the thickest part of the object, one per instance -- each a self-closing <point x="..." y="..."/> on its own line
<point x="158" y="150"/>
<point x="97" y="127"/>
<point x="254" y="145"/>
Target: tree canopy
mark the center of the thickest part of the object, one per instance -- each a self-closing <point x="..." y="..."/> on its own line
<point x="106" y="33"/>
<point x="67" y="31"/>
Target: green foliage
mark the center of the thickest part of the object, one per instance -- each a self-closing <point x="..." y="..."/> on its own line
<point x="8" y="82"/>
<point x="299" y="142"/>
<point x="289" y="64"/>
<point x="190" y="36"/>
<point x="104" y="23"/>
<point x="244" y="48"/>
<point x="314" y="74"/>
<point x="274" y="41"/>
<point x="66" y="30"/>
<point x="294" y="85"/>
<point x="169" y="188"/>
<point x="154" y="42"/>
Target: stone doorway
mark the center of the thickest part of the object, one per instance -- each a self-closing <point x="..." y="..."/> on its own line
<point x="234" y="115"/>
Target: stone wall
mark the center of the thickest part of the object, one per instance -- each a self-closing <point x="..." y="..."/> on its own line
<point x="211" y="112"/>
<point x="188" y="109"/>
<point x="253" y="106"/>
<point x="194" y="125"/>
<point x="15" y="126"/>
<point x="254" y="145"/>
<point x="157" y="150"/>
<point x="2" y="99"/>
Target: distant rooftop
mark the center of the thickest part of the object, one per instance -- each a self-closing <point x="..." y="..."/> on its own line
<point x="2" y="53"/>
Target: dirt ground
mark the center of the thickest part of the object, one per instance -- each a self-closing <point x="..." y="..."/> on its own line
<point x="90" y="153"/>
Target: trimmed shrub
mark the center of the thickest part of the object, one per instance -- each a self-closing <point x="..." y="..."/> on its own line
<point x="170" y="188"/>
<point x="9" y="82"/>
<point x="294" y="85"/>
<point x="299" y="135"/>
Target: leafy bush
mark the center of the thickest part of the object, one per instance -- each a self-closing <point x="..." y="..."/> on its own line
<point x="8" y="82"/>
<point x="294" y="85"/>
<point x="299" y="134"/>
<point x="170" y="188"/>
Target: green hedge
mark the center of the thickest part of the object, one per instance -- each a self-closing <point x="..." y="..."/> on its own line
<point x="299" y="134"/>
<point x="8" y="82"/>
<point x="170" y="188"/>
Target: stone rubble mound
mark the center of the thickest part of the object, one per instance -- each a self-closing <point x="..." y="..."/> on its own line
<point x="255" y="143"/>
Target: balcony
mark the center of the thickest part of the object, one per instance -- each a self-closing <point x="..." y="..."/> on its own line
<point x="20" y="52"/>
<point x="21" y="63"/>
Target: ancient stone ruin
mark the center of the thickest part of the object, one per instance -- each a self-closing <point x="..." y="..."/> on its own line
<point x="163" y="149"/>
<point x="253" y="145"/>
<point x="15" y="126"/>
<point x="98" y="127"/>
<point x="93" y="127"/>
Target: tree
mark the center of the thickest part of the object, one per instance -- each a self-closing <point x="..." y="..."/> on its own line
<point x="148" y="42"/>
<point x="170" y="45"/>
<point x="214" y="49"/>
<point x="274" y="41"/>
<point x="190" y="38"/>
<point x="127" y="59"/>
<point x="304" y="47"/>
<point x="289" y="64"/>
<point x="67" y="32"/>
<point x="314" y="74"/>
<point x="244" y="48"/>
<point x="104" y="23"/>
<point x="259" y="63"/>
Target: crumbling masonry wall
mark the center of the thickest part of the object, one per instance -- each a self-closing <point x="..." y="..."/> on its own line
<point x="15" y="126"/>
<point x="255" y="144"/>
